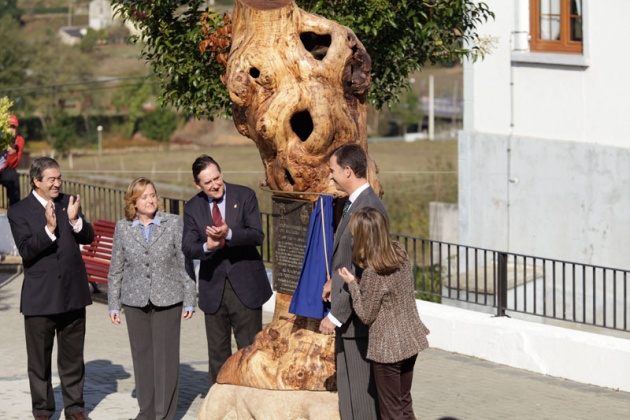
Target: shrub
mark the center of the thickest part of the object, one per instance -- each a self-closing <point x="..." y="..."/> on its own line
<point x="159" y="124"/>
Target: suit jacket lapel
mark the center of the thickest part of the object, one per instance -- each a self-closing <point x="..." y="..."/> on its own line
<point x="343" y="223"/>
<point x="37" y="208"/>
<point x="231" y="206"/>
<point x="204" y="210"/>
<point x="156" y="232"/>
<point x="136" y="233"/>
<point x="60" y="209"/>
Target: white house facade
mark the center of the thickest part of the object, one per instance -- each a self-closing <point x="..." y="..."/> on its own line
<point x="544" y="156"/>
<point x="100" y="14"/>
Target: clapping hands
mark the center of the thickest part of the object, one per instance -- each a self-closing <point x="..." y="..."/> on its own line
<point x="51" y="217"/>
<point x="73" y="209"/>
<point x="216" y="236"/>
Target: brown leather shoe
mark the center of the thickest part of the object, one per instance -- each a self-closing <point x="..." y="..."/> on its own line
<point x="42" y="417"/>
<point x="77" y="416"/>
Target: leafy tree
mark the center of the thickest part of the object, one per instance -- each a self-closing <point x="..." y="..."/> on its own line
<point x="58" y="63"/>
<point x="400" y="36"/>
<point x="116" y="34"/>
<point x="131" y="99"/>
<point x="407" y="112"/>
<point x="189" y="78"/>
<point x="62" y="133"/>
<point x="9" y="8"/>
<point x="57" y="68"/>
<point x="159" y="124"/>
<point x="14" y="60"/>
<point x="89" y="41"/>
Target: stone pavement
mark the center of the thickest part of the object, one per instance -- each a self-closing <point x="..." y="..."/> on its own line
<point x="446" y="385"/>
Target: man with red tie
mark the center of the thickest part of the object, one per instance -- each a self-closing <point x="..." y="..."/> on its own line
<point x="222" y="228"/>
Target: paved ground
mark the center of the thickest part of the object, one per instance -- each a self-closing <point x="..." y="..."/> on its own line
<point x="446" y="385"/>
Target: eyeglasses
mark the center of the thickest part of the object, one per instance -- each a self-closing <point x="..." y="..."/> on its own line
<point x="13" y="126"/>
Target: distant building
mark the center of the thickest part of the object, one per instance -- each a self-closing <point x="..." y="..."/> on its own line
<point x="544" y="156"/>
<point x="71" y="35"/>
<point x="100" y="14"/>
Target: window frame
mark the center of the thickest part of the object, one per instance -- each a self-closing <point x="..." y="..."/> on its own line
<point x="564" y="44"/>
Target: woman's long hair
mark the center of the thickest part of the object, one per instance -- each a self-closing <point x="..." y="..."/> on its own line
<point x="373" y="246"/>
<point x="134" y="192"/>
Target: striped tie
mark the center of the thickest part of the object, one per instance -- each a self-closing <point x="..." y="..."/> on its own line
<point x="346" y="206"/>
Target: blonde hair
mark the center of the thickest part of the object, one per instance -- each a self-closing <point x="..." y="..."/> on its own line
<point x="134" y="192"/>
<point x="373" y="246"/>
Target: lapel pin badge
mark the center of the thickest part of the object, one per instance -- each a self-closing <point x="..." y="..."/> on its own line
<point x="235" y="205"/>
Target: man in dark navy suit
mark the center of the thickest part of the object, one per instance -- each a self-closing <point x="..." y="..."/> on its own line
<point x="48" y="227"/>
<point x="222" y="228"/>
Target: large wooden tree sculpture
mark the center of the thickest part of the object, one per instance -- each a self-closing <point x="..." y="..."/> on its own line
<point x="299" y="84"/>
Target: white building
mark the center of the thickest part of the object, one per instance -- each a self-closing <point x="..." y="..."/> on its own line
<point x="100" y="14"/>
<point x="71" y="35"/>
<point x="544" y="156"/>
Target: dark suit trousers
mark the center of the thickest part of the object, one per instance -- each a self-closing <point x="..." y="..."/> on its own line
<point x="40" y="335"/>
<point x="154" y="336"/>
<point x="355" y="381"/>
<point x="231" y="315"/>
<point x="393" y="382"/>
<point x="11" y="180"/>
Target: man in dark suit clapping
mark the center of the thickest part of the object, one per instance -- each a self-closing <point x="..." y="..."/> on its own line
<point x="222" y="228"/>
<point x="48" y="227"/>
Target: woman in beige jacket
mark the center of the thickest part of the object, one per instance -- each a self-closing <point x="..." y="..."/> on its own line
<point x="385" y="300"/>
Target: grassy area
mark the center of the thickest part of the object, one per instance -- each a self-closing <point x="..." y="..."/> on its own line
<point x="117" y="60"/>
<point x="412" y="174"/>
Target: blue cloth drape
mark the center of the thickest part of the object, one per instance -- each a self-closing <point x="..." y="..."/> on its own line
<point x="307" y="298"/>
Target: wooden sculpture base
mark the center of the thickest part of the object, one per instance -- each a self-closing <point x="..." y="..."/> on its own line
<point x="289" y="353"/>
<point x="233" y="402"/>
<point x="288" y="373"/>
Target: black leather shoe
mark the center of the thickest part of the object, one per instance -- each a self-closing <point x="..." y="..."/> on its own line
<point x="77" y="416"/>
<point x="42" y="417"/>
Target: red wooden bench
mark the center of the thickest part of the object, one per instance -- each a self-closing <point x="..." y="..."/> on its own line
<point x="98" y="255"/>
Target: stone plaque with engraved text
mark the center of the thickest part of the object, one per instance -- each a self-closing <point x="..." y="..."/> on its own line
<point x="290" y="233"/>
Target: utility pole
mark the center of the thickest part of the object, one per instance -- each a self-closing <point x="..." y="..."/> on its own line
<point x="100" y="139"/>
<point x="431" y="107"/>
<point x="70" y="12"/>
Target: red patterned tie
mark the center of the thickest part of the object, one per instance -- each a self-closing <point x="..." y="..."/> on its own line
<point x="217" y="220"/>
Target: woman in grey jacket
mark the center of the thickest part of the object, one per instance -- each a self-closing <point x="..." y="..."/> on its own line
<point x="385" y="300"/>
<point x="152" y="283"/>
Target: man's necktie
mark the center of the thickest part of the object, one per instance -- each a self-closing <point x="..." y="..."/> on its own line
<point x="217" y="220"/>
<point x="346" y="206"/>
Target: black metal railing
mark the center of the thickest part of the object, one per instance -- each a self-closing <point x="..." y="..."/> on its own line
<point x="520" y="284"/>
<point x="108" y="204"/>
<point x="476" y="278"/>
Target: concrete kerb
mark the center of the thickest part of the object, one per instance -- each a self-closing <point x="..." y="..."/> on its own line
<point x="546" y="349"/>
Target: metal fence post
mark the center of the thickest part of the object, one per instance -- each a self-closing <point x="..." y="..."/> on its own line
<point x="502" y="286"/>
<point x="174" y="206"/>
